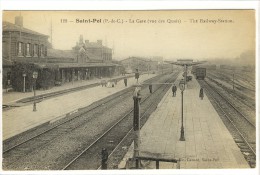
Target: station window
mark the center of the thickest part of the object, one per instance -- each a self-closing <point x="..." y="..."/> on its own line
<point x="42" y="51"/>
<point x="28" y="50"/>
<point x="45" y="51"/>
<point x="35" y="52"/>
<point x="20" y="47"/>
<point x="39" y="50"/>
<point x="20" y="52"/>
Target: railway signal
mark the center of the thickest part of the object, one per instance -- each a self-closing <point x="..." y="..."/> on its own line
<point x="233" y="81"/>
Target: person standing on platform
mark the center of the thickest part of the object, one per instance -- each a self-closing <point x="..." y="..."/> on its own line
<point x="104" y="157"/>
<point x="174" y="89"/>
<point x="125" y="81"/>
<point x="151" y="88"/>
<point x="201" y="94"/>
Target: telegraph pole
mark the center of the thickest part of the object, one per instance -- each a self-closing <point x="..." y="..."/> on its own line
<point x="136" y="123"/>
<point x="233" y="82"/>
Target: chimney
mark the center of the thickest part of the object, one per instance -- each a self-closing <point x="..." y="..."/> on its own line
<point x="81" y="39"/>
<point x="99" y="42"/>
<point x="19" y="21"/>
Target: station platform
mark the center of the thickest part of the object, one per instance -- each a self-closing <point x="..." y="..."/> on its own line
<point x="208" y="144"/>
<point x="10" y="98"/>
<point x="20" y="119"/>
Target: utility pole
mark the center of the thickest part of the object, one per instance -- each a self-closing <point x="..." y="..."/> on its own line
<point x="233" y="81"/>
<point x="10" y="45"/>
<point x="51" y="32"/>
<point x="136" y="123"/>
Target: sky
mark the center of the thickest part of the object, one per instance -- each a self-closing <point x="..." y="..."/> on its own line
<point x="194" y="34"/>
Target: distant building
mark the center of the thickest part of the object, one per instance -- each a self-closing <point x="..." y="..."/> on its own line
<point x="230" y="67"/>
<point x="142" y="64"/>
<point x="157" y="58"/>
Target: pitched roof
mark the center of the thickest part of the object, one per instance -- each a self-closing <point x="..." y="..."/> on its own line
<point x="135" y="58"/>
<point x="92" y="56"/>
<point x="55" y="53"/>
<point x="94" y="45"/>
<point x="7" y="26"/>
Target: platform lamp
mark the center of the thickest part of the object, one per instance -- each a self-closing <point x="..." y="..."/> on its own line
<point x="182" y="88"/>
<point x="35" y="76"/>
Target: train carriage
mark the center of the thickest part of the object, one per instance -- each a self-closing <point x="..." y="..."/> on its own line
<point x="200" y="73"/>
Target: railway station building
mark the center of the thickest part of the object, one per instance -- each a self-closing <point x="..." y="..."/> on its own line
<point x="25" y="51"/>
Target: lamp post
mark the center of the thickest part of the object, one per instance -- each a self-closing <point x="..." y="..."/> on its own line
<point x="182" y="87"/>
<point x="24" y="75"/>
<point x="35" y="75"/>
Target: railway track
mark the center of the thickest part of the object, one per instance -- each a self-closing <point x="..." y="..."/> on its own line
<point x="50" y="134"/>
<point x="85" y="159"/>
<point x="11" y="144"/>
<point x="22" y="145"/>
<point x="22" y="138"/>
<point x="237" y="100"/>
<point x="247" y="99"/>
<point x="242" y="129"/>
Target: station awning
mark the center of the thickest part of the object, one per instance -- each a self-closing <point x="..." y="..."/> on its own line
<point x="46" y="65"/>
<point x="85" y="65"/>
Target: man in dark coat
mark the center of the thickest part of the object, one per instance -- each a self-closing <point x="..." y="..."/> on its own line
<point x="125" y="81"/>
<point x="201" y="94"/>
<point x="174" y="89"/>
<point x="104" y="157"/>
<point x="151" y="88"/>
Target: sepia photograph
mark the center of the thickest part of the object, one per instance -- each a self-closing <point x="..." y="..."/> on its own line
<point x="129" y="89"/>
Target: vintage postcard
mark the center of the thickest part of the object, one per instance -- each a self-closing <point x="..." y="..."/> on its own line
<point x="129" y="90"/>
